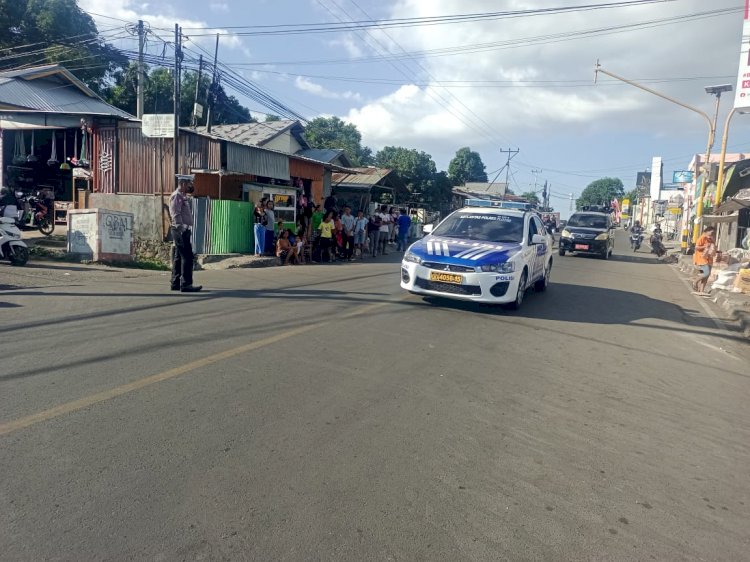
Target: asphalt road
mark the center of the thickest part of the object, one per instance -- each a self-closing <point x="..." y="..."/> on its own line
<point x="318" y="413"/>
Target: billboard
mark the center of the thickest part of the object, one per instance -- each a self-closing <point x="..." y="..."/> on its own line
<point x="742" y="95"/>
<point x="672" y="187"/>
<point x="643" y="180"/>
<point x="681" y="176"/>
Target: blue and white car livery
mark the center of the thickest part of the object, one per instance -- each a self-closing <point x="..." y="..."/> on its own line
<point x="482" y="254"/>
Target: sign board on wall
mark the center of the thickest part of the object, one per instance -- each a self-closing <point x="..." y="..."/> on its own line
<point x="742" y="95"/>
<point x="158" y="125"/>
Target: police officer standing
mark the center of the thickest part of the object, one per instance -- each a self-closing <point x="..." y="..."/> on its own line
<point x="181" y="229"/>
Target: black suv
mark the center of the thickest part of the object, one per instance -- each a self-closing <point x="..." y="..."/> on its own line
<point x="590" y="233"/>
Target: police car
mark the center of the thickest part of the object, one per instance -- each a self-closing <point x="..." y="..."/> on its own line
<point x="484" y="252"/>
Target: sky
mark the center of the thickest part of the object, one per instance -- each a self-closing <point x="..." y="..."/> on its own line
<point x="523" y="83"/>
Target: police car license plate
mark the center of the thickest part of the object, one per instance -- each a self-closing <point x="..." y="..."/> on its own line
<point x="582" y="247"/>
<point x="446" y="277"/>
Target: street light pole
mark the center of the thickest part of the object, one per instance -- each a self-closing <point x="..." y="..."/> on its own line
<point x="711" y="130"/>
<point x="722" y="159"/>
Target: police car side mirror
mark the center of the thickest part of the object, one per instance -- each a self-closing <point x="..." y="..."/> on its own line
<point x="539" y="239"/>
<point x="427" y="229"/>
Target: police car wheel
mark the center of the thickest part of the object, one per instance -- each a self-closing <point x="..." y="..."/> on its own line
<point x="541" y="285"/>
<point x="516" y="304"/>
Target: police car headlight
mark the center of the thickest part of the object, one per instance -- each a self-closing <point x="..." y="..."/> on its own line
<point x="602" y="236"/>
<point x="565" y="233"/>
<point x="507" y="267"/>
<point x="413" y="258"/>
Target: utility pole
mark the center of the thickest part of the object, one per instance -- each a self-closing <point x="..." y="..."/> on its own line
<point x="545" y="197"/>
<point x="571" y="202"/>
<point x="194" y="117"/>
<point x="212" y="87"/>
<point x="141" y="78"/>
<point x="177" y="66"/>
<point x="511" y="154"/>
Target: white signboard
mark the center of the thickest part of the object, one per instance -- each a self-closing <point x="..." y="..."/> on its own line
<point x="742" y="96"/>
<point x="656" y="172"/>
<point x="158" y="125"/>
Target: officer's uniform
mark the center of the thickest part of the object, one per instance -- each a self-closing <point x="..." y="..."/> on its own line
<point x="181" y="229"/>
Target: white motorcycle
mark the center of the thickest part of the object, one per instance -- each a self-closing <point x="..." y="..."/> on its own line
<point x="11" y="246"/>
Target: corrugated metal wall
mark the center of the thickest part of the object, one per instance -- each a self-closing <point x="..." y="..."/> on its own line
<point x="145" y="165"/>
<point x="250" y="160"/>
<point x="231" y="227"/>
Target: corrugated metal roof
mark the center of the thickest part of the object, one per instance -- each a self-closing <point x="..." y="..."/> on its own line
<point x="54" y="94"/>
<point x="257" y="161"/>
<point x="323" y="154"/>
<point x="364" y="176"/>
<point x="252" y="134"/>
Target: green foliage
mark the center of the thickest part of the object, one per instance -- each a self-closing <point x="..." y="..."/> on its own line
<point x="633" y="195"/>
<point x="271" y="117"/>
<point x="67" y="34"/>
<point x="601" y="192"/>
<point x="466" y="166"/>
<point x="158" y="96"/>
<point x="332" y="132"/>
<point x="414" y="168"/>
<point x="531" y="197"/>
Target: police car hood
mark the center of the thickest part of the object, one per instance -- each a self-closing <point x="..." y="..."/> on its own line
<point x="456" y="251"/>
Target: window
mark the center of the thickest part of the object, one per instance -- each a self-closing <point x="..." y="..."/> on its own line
<point x="482" y="227"/>
<point x="533" y="229"/>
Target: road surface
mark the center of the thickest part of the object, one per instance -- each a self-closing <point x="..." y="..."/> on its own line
<point x="318" y="413"/>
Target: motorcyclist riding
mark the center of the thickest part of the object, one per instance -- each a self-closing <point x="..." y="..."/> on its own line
<point x="657" y="247"/>
<point x="636" y="235"/>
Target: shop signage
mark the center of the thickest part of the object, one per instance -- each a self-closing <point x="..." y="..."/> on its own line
<point x="742" y="95"/>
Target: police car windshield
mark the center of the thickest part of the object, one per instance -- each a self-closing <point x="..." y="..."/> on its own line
<point x="484" y="227"/>
<point x="588" y="221"/>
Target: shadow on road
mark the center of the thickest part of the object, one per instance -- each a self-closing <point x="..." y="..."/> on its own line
<point x="580" y="304"/>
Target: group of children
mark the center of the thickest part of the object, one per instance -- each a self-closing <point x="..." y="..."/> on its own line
<point x="342" y="236"/>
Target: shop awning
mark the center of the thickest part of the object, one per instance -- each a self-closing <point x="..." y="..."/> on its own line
<point x="34" y="120"/>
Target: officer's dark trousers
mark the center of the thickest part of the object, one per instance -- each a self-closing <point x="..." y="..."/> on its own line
<point x="182" y="259"/>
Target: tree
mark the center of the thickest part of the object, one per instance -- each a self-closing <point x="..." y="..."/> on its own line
<point x="332" y="132"/>
<point x="601" y="192"/>
<point x="271" y="117"/>
<point x="158" y="96"/>
<point x="531" y="197"/>
<point x="56" y="31"/>
<point x="414" y="168"/>
<point x="466" y="166"/>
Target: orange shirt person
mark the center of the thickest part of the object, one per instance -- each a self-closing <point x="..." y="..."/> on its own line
<point x="703" y="259"/>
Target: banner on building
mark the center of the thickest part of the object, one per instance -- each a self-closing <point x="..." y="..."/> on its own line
<point x="625" y="208"/>
<point x="742" y="95"/>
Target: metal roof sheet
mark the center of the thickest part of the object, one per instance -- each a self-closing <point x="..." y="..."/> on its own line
<point x="322" y="154"/>
<point x="52" y="95"/>
<point x="252" y="134"/>
<point x="364" y="176"/>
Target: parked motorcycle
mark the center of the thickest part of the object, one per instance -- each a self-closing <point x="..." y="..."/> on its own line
<point x="36" y="212"/>
<point x="636" y="239"/>
<point x="12" y="248"/>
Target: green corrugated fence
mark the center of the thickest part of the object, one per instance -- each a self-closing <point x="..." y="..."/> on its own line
<point x="231" y="227"/>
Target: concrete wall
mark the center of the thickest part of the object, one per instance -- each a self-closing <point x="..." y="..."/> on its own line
<point x="146" y="209"/>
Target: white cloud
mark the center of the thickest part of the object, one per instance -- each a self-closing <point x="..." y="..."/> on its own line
<point x="307" y="85"/>
<point x="165" y="18"/>
<point x="498" y="115"/>
<point x="219" y="7"/>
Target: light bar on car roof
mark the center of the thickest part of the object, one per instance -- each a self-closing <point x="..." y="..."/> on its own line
<point x="521" y="206"/>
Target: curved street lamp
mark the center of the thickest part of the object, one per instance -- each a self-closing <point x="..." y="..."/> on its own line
<point x="713" y="90"/>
